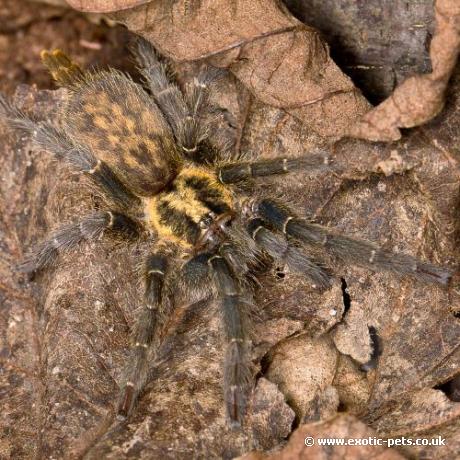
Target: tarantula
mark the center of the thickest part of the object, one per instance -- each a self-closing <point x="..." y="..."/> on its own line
<point x="151" y="157"/>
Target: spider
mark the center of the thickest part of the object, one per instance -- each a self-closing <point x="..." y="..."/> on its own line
<point x="151" y="156"/>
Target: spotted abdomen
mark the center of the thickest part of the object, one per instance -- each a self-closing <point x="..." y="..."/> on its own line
<point x="124" y="128"/>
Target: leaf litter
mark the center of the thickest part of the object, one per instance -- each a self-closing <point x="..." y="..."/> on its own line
<point x="64" y="338"/>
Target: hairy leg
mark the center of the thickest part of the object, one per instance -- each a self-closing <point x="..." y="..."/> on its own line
<point x="237" y="172"/>
<point x="277" y="246"/>
<point x="69" y="236"/>
<point x="184" y="113"/>
<point x="213" y="275"/>
<point x="55" y="140"/>
<point x="167" y="94"/>
<point x="234" y="306"/>
<point x="143" y="337"/>
<point x="358" y="252"/>
<point x="164" y="289"/>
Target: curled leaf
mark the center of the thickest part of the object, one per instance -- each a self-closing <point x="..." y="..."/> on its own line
<point x="303" y="443"/>
<point x="421" y="97"/>
<point x="104" y="6"/>
<point x="287" y="65"/>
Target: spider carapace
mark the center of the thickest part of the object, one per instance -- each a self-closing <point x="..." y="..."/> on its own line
<point x="192" y="209"/>
<point x="152" y="159"/>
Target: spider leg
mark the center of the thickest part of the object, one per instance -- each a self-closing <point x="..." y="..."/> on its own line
<point x="69" y="236"/>
<point x="182" y="113"/>
<point x="277" y="246"/>
<point x="237" y="172"/>
<point x="352" y="250"/>
<point x="47" y="137"/>
<point x="155" y="270"/>
<point x="237" y="364"/>
<point x="14" y="117"/>
<point x="197" y="94"/>
<point x="82" y="159"/>
<point x="192" y="283"/>
<point x="167" y="95"/>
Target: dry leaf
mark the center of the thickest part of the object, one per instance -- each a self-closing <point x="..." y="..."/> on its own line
<point x="104" y="6"/>
<point x="419" y="98"/>
<point x="287" y="65"/>
<point x="342" y="426"/>
<point x="279" y="60"/>
<point x="64" y="337"/>
<point x="303" y="369"/>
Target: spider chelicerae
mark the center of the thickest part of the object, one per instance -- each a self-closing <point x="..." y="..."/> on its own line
<point x="152" y="158"/>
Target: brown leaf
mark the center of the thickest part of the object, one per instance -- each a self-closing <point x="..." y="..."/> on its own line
<point x="419" y="329"/>
<point x="282" y="62"/>
<point x="65" y="344"/>
<point x="272" y="417"/>
<point x="104" y="6"/>
<point x="421" y="97"/>
<point x="287" y="65"/>
<point x="424" y="414"/>
<point x="86" y="332"/>
<point x="342" y="426"/>
<point x="21" y="347"/>
<point x="303" y="369"/>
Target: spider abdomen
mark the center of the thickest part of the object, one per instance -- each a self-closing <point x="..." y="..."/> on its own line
<point x="125" y="129"/>
<point x="187" y="207"/>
